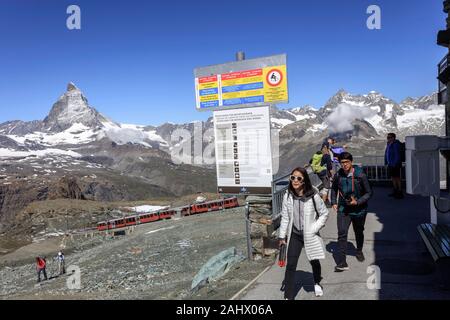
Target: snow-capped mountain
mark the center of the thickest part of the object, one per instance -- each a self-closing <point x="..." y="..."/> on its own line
<point x="110" y="161"/>
<point x="76" y="147"/>
<point x="359" y="121"/>
<point x="73" y="108"/>
<point x="72" y="121"/>
<point x="383" y="115"/>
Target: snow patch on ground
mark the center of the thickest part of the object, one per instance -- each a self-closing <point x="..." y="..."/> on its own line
<point x="161" y="229"/>
<point x="281" y="122"/>
<point x="6" y="152"/>
<point x="76" y="134"/>
<point x="132" y="133"/>
<point x="411" y="117"/>
<point x="146" y="208"/>
<point x="318" y="127"/>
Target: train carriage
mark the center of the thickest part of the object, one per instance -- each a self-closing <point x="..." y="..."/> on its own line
<point x="197" y="208"/>
<point x="148" y="217"/>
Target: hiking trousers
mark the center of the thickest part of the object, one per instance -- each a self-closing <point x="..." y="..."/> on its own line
<point x="61" y="267"/>
<point x="343" y="224"/>
<point x="296" y="244"/>
<point x="39" y="274"/>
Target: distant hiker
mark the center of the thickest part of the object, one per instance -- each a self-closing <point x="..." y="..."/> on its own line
<point x="303" y="215"/>
<point x="322" y="165"/>
<point x="393" y="159"/>
<point x="40" y="268"/>
<point x="336" y="150"/>
<point x="350" y="193"/>
<point x="328" y="142"/>
<point x="61" y="263"/>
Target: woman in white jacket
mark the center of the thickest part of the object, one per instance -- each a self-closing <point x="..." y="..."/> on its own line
<point x="303" y="214"/>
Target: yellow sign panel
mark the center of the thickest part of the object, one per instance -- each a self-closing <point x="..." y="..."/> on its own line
<point x="264" y="85"/>
<point x="275" y="88"/>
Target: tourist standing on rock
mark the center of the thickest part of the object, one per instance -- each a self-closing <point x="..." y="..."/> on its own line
<point x="61" y="263"/>
<point x="303" y="214"/>
<point x="40" y="268"/>
<point x="393" y="159"/>
<point x="350" y="193"/>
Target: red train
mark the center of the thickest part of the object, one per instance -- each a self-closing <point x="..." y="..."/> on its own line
<point x="192" y="209"/>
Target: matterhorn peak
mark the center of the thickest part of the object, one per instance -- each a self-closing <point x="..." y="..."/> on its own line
<point x="72" y="107"/>
<point x="71" y="87"/>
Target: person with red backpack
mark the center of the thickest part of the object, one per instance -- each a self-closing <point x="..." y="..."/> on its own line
<point x="40" y="268"/>
<point x="350" y="193"/>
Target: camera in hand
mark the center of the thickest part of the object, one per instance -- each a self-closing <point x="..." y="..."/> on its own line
<point x="349" y="198"/>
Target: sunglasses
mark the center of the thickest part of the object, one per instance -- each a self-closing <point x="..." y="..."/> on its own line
<point x="293" y="178"/>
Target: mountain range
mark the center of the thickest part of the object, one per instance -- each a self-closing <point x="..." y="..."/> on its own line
<point x="77" y="152"/>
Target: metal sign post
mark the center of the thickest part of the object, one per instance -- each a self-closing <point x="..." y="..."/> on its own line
<point x="240" y="94"/>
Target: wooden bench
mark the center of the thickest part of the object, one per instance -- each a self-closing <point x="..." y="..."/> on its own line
<point x="437" y="241"/>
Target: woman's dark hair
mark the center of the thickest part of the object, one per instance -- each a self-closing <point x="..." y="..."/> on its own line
<point x="346" y="156"/>
<point x="307" y="186"/>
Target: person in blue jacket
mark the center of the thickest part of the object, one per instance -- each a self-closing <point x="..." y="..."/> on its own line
<point x="392" y="158"/>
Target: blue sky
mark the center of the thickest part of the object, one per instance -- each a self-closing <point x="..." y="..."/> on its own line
<point x="134" y="60"/>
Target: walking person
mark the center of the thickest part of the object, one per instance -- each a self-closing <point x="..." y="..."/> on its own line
<point x="60" y="258"/>
<point x="393" y="159"/>
<point x="336" y="150"/>
<point x="350" y="193"/>
<point x="322" y="165"/>
<point x="303" y="215"/>
<point x="40" y="268"/>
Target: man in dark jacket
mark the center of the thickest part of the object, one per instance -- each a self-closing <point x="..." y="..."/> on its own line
<point x="392" y="158"/>
<point x="350" y="194"/>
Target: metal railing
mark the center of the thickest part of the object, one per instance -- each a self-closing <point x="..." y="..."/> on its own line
<point x="373" y="166"/>
<point x="375" y="169"/>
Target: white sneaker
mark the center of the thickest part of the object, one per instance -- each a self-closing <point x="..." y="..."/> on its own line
<point x="318" y="290"/>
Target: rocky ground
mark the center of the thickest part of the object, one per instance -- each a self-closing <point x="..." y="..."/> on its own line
<point x="156" y="261"/>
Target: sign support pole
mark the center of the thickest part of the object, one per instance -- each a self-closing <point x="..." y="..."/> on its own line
<point x="240" y="56"/>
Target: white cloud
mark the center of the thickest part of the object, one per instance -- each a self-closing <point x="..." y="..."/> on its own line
<point x="340" y="120"/>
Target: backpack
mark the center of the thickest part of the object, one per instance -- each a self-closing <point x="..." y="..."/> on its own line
<point x="315" y="164"/>
<point x="41" y="263"/>
<point x="402" y="151"/>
